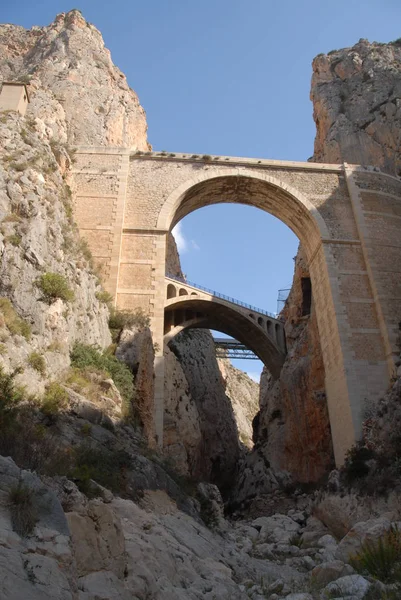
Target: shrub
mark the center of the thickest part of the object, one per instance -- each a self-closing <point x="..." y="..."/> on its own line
<point x="54" y="285"/>
<point x="12" y="218"/>
<point x="86" y="252"/>
<point x="54" y="400"/>
<point x="56" y="346"/>
<point x="121" y="318"/>
<point x="14" y="323"/>
<point x="37" y="362"/>
<point x="83" y="356"/>
<point x="104" y="296"/>
<point x="382" y="558"/>
<point x="106" y="467"/>
<point x="29" y="444"/>
<point x="10" y="395"/>
<point x="295" y="540"/>
<point x="356" y="466"/>
<point x="23" y="517"/>
<point x="206" y="157"/>
<point x="14" y="239"/>
<point x="86" y="429"/>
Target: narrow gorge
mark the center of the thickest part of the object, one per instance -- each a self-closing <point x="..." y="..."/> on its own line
<point x="232" y="490"/>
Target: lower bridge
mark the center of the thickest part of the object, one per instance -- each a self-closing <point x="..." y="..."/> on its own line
<point x="230" y="348"/>
<point x="257" y="332"/>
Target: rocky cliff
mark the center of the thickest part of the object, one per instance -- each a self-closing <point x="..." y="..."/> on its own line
<point x="76" y="90"/>
<point x="244" y="395"/>
<point x="356" y="95"/>
<point x="78" y="96"/>
<point x="49" y="294"/>
<point x="293" y="429"/>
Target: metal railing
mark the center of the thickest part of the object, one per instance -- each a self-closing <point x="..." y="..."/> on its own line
<point x="231" y="348"/>
<point x="222" y="296"/>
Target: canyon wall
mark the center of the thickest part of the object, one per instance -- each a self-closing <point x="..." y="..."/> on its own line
<point x="78" y="96"/>
<point x="292" y="430"/>
<point x="356" y="95"/>
<point x="75" y="89"/>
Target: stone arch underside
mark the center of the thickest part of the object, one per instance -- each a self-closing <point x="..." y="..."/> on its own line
<point x="263" y="192"/>
<point x="205" y="314"/>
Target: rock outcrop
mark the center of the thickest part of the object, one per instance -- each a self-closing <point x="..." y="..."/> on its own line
<point x="244" y="395"/>
<point x="219" y="448"/>
<point x="59" y="544"/>
<point x="38" y="242"/>
<point x="356" y="95"/>
<point x="75" y="89"/>
<point x="293" y="429"/>
<point x="79" y="97"/>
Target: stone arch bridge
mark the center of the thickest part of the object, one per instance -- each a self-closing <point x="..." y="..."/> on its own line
<point x="188" y="306"/>
<point x="347" y="218"/>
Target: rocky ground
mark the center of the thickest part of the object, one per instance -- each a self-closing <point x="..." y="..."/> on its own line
<point x="110" y="546"/>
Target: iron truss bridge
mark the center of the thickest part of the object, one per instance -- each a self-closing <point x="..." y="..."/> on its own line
<point x="230" y="348"/>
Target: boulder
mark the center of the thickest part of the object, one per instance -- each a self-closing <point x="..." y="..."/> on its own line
<point x="354" y="586"/>
<point x="330" y="571"/>
<point x="362" y="532"/>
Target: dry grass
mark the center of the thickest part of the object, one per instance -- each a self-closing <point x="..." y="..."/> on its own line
<point x="13" y="322"/>
<point x="23" y="516"/>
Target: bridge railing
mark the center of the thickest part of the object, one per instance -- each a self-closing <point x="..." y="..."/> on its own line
<point x="222" y="296"/>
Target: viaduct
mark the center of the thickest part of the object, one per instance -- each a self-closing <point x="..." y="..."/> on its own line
<point x="347" y="218"/>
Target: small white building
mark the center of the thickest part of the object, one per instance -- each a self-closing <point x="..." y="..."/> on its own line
<point x="14" y="96"/>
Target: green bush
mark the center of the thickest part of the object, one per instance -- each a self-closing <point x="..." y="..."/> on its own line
<point x="13" y="239"/>
<point x="356" y="466"/>
<point x="14" y="323"/>
<point x="54" y="400"/>
<point x="23" y="517"/>
<point x="83" y="356"/>
<point x="104" y="296"/>
<point x="31" y="445"/>
<point x="37" y="362"/>
<point x="106" y="467"/>
<point x="381" y="559"/>
<point x="121" y="318"/>
<point x="54" y="285"/>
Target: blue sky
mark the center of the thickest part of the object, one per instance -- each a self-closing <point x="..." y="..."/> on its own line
<point x="227" y="77"/>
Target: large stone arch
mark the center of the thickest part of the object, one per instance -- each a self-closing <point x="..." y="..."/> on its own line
<point x="345" y="398"/>
<point x="298" y="213"/>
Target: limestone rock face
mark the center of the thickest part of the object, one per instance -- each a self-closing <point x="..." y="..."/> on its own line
<point x="38" y="238"/>
<point x="75" y="88"/>
<point x="219" y="449"/>
<point x="244" y="395"/>
<point x="356" y="95"/>
<point x="81" y="549"/>
<point x="182" y="429"/>
<point x="136" y="350"/>
<point x="292" y="430"/>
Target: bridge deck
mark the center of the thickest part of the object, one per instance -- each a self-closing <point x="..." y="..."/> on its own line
<point x="202" y="288"/>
